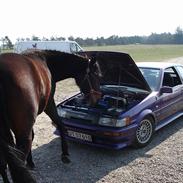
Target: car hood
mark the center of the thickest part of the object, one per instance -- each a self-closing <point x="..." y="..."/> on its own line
<point x="119" y="69"/>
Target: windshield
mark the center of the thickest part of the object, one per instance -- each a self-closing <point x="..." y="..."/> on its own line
<point x="152" y="76"/>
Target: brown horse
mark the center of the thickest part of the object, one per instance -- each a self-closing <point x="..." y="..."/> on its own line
<point x="27" y="87"/>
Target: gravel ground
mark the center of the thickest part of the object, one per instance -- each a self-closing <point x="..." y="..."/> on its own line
<point x="161" y="161"/>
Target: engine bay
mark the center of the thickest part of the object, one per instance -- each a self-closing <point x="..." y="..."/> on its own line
<point x="114" y="100"/>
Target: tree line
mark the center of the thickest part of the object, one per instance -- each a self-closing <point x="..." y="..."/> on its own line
<point x="154" y="38"/>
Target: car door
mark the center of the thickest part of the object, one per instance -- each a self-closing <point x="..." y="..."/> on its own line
<point x="169" y="103"/>
<point x="180" y="72"/>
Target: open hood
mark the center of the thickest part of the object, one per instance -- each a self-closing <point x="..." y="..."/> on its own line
<point x="119" y="69"/>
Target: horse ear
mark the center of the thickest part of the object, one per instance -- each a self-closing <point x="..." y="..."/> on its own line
<point x="94" y="66"/>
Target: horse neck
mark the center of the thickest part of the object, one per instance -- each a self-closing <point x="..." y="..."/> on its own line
<point x="66" y="66"/>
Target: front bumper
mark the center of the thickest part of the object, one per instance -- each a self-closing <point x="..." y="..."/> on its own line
<point x="106" y="137"/>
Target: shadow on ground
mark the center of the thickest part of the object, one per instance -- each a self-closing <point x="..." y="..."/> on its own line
<point x="90" y="164"/>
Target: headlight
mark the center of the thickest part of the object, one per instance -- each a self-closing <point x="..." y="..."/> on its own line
<point x="105" y="121"/>
<point x="123" y="122"/>
<point x="62" y="113"/>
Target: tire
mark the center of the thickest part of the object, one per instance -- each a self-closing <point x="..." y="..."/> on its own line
<point x="144" y="132"/>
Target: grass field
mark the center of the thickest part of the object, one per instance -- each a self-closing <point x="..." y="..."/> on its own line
<point x="144" y="52"/>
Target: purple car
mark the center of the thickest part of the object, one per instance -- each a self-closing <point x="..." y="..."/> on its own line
<point x="137" y="100"/>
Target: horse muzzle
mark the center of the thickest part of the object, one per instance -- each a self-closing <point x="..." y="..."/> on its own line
<point x="94" y="96"/>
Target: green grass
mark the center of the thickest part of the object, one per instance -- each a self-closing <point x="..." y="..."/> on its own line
<point x="5" y="51"/>
<point x="144" y="52"/>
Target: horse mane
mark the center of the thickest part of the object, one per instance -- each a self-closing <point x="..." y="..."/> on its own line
<point x="57" y="60"/>
<point x="54" y="54"/>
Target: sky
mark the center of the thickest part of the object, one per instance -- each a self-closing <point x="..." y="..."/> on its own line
<point x="88" y="18"/>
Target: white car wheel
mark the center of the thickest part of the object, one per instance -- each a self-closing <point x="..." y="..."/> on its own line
<point x="144" y="132"/>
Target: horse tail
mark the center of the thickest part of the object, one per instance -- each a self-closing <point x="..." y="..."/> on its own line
<point x="13" y="157"/>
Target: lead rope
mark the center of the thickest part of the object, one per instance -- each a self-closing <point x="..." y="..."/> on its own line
<point x="92" y="91"/>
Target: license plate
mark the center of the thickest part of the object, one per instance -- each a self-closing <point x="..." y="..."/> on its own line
<point x="78" y="135"/>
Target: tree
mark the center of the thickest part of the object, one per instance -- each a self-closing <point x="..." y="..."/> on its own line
<point x="61" y="39"/>
<point x="178" y="36"/>
<point x="3" y="42"/>
<point x="53" y="38"/>
<point x="71" y="38"/>
<point x="35" y="38"/>
<point x="6" y="43"/>
<point x="45" y="39"/>
<point x="27" y="39"/>
<point x="9" y="43"/>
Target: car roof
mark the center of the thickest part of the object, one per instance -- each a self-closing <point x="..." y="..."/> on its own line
<point x="157" y="65"/>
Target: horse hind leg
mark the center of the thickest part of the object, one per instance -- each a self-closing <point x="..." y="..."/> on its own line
<point x="3" y="172"/>
<point x="5" y="132"/>
<point x="3" y="168"/>
<point x="30" y="163"/>
<point x="24" y="144"/>
<point x="24" y="136"/>
<point x="3" y="162"/>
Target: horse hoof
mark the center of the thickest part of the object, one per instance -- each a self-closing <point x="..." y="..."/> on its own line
<point x="65" y="160"/>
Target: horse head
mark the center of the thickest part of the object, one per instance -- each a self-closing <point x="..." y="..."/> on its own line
<point x="89" y="81"/>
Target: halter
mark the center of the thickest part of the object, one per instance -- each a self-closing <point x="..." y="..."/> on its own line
<point x="92" y="91"/>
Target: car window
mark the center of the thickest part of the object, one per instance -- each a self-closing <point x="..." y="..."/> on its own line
<point x="180" y="70"/>
<point x="73" y="48"/>
<point x="78" y="48"/>
<point x="152" y="76"/>
<point x="171" y="78"/>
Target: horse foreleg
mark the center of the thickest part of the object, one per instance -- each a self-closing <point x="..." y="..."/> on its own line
<point x="51" y="111"/>
<point x="30" y="163"/>
<point x="64" y="145"/>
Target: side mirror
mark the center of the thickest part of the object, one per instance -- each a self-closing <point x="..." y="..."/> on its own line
<point x="166" y="89"/>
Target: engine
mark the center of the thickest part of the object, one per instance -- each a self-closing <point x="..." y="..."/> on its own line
<point x="113" y="101"/>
